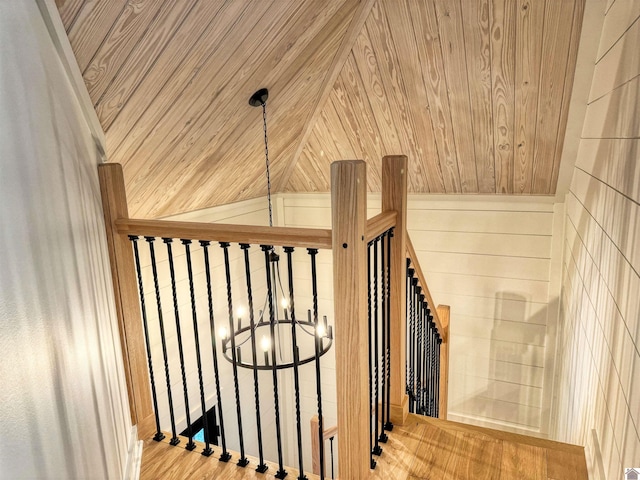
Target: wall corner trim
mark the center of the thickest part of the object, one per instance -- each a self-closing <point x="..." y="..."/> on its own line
<point x="52" y="20"/>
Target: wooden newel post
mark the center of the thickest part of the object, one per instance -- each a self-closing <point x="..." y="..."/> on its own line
<point x="114" y="205"/>
<point x="394" y="198"/>
<point x="444" y="314"/>
<point x="349" y="218"/>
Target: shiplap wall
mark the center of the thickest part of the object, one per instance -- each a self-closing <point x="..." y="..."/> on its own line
<point x="599" y="391"/>
<point x="491" y="261"/>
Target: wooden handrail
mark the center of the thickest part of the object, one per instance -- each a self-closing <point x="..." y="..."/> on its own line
<point x="221" y="232"/>
<point x="415" y="264"/>
<point x="380" y="224"/>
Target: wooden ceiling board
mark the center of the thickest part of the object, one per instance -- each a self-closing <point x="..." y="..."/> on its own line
<point x="555" y="44"/>
<point x="528" y="50"/>
<point x="68" y="10"/>
<point x="91" y="26"/>
<point x="474" y="92"/>
<point x="294" y="68"/>
<point x="130" y="27"/>
<point x="503" y="66"/>
<point x="142" y="57"/>
<point x="476" y="34"/>
<point x="492" y="78"/>
<point x="572" y="58"/>
<point x="429" y="57"/>
<point x="452" y="41"/>
<point x="339" y="60"/>
<point x="176" y="68"/>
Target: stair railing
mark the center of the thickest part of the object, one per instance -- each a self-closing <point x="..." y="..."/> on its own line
<point x="370" y="309"/>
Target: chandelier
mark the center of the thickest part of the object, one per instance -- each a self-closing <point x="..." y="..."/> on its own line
<point x="286" y="341"/>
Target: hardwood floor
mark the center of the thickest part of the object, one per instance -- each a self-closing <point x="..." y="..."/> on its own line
<point x="424" y="448"/>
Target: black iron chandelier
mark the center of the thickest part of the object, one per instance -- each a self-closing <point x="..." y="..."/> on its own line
<point x="276" y="323"/>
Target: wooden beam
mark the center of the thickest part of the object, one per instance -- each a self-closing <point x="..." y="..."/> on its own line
<point x="394" y="198"/>
<point x="444" y="315"/>
<point x="114" y="204"/>
<point x="336" y="67"/>
<point x="349" y="218"/>
<point x="221" y="232"/>
<point x="379" y="224"/>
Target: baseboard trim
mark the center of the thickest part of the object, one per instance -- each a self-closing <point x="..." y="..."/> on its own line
<point x="134" y="456"/>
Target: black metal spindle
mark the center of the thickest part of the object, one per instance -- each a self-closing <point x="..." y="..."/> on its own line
<point x="190" y="445"/>
<point x="420" y="348"/>
<point x="174" y="436"/>
<point x="388" y="425"/>
<point x="159" y="435"/>
<point x="331" y="447"/>
<point x="385" y="319"/>
<point x="433" y="368"/>
<point x="425" y="359"/>
<point x="377" y="449"/>
<point x="268" y="250"/>
<point x="225" y="456"/>
<point x="437" y="403"/>
<point x="243" y="461"/>
<point x="187" y="248"/>
<point x="369" y="318"/>
<point x="313" y="252"/>
<point x="262" y="467"/>
<point x="296" y="359"/>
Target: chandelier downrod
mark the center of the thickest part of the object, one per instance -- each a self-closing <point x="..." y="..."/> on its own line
<point x="259" y="99"/>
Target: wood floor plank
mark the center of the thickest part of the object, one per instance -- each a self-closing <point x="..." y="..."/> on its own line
<point x="424" y="448"/>
<point x="524" y="462"/>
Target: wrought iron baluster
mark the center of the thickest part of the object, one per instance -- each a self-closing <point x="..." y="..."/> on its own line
<point x="420" y="350"/>
<point x="262" y="467"/>
<point x="243" y="461"/>
<point x="388" y="425"/>
<point x="225" y="456"/>
<point x="313" y="252"/>
<point x="207" y="449"/>
<point x="377" y="449"/>
<point x="190" y="445"/>
<point x="372" y="462"/>
<point x="174" y="436"/>
<point x="296" y="360"/>
<point x="437" y="402"/>
<point x="159" y="435"/>
<point x="268" y="250"/>
<point x="385" y="319"/>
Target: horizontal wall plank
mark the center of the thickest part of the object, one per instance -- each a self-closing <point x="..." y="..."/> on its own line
<point x="491" y="287"/>
<point x="614" y="161"/>
<point x="618" y="19"/>
<point x="533" y="223"/>
<point x="498" y="370"/>
<point x="619" y="65"/>
<point x="501" y="307"/>
<point x="485" y="265"/>
<point x="466" y="386"/>
<point x="529" y="246"/>
<point x="503" y="330"/>
<point x="615" y="114"/>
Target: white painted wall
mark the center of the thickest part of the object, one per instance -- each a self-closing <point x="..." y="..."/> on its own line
<point x="491" y="260"/>
<point x="598" y="402"/>
<point x="64" y="411"/>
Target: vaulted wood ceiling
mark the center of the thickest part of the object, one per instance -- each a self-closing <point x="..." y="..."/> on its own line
<point x="475" y="92"/>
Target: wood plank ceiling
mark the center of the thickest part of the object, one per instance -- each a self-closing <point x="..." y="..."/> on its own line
<point x="475" y="92"/>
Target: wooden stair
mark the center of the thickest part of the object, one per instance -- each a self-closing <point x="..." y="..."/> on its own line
<point x="423" y="448"/>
